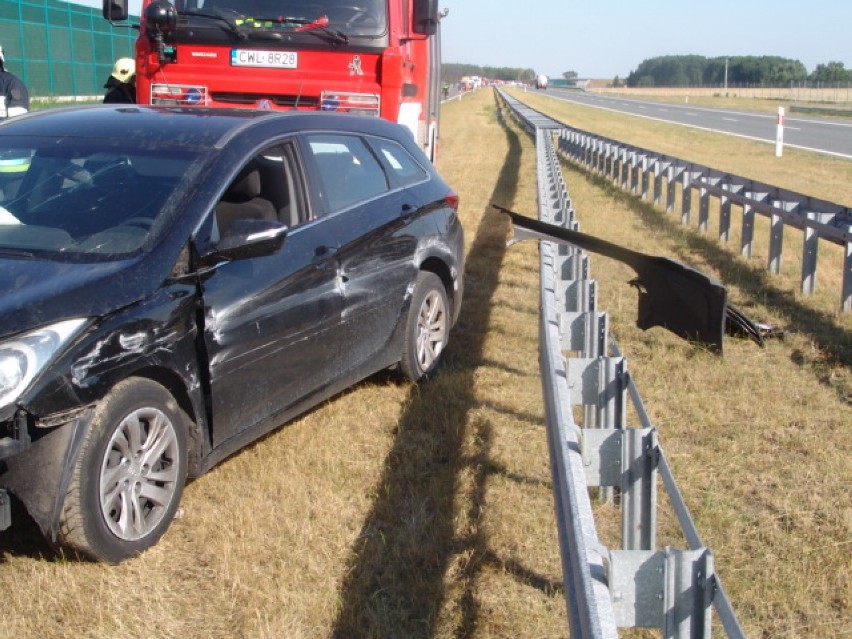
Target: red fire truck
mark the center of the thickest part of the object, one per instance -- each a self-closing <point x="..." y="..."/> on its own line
<point x="368" y="57"/>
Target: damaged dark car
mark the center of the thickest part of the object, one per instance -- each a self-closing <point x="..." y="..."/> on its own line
<point x="178" y="282"/>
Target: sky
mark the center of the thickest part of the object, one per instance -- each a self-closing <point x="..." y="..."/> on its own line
<point x="602" y="39"/>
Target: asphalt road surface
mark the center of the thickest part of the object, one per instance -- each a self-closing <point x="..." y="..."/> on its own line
<point x="832" y="136"/>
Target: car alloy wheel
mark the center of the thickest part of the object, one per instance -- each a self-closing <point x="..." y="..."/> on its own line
<point x="427" y="328"/>
<point x="129" y="475"/>
<point x="138" y="477"/>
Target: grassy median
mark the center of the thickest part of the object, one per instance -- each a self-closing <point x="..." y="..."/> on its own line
<point x="423" y="511"/>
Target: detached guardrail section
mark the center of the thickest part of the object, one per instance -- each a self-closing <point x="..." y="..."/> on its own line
<point x="635" y="586"/>
<point x="632" y="168"/>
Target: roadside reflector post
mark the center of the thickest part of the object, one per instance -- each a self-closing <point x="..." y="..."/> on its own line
<point x="779" y="134"/>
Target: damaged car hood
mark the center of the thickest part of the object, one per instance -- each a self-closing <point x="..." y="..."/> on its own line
<point x="34" y="292"/>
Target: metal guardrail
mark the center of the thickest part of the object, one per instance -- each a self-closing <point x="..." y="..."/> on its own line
<point x="632" y="168"/>
<point x="637" y="585"/>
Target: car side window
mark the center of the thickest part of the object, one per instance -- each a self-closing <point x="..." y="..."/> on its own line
<point x="268" y="186"/>
<point x="403" y="169"/>
<point x="348" y="170"/>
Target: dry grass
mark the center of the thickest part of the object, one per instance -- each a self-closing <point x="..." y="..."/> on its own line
<point x="426" y="511"/>
<point x="758" y="439"/>
<point x="392" y="511"/>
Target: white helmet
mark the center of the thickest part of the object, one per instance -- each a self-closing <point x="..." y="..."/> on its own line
<point x="124" y="69"/>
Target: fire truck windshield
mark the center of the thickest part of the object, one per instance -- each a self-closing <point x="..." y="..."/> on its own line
<point x="350" y="17"/>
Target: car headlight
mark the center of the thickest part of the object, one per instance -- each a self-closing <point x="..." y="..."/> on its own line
<point x="25" y="356"/>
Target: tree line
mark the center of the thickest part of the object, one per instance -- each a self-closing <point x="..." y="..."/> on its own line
<point x="696" y="70"/>
<point x="452" y="72"/>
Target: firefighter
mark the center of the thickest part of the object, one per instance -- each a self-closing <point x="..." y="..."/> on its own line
<point x="15" y="96"/>
<point x="121" y="84"/>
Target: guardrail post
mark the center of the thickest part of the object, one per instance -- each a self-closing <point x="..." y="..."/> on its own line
<point x="599" y="385"/>
<point x="611" y="162"/>
<point x="688" y="595"/>
<point x="809" y="256"/>
<point x="846" y="298"/>
<point x="776" y="242"/>
<point x="631" y="184"/>
<point x="590" y="156"/>
<point x="704" y="207"/>
<point x="584" y="333"/>
<point x="626" y="458"/>
<point x="600" y="157"/>
<point x="639" y="489"/>
<point x="573" y="265"/>
<point x="671" y="590"/>
<point x="658" y="181"/>
<point x="686" y="196"/>
<point x="747" y="235"/>
<point x="615" y="169"/>
<point x="725" y="213"/>
<point x="644" y="177"/>
<point x="671" y="180"/>
<point x="578" y="296"/>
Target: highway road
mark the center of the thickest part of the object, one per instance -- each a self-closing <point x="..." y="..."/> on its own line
<point x="832" y="136"/>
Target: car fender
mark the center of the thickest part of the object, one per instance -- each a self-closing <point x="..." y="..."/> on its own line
<point x="58" y="408"/>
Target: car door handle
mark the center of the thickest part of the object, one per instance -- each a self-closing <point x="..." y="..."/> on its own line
<point x="408" y="210"/>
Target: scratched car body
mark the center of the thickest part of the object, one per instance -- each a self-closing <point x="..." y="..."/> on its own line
<point x="176" y="283"/>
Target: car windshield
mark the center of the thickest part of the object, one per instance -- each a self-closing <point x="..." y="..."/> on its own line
<point x="350" y="17"/>
<point x="82" y="199"/>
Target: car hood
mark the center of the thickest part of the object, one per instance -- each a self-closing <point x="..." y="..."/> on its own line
<point x="38" y="292"/>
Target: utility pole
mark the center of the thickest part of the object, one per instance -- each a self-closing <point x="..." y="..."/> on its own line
<point x="726" y="77"/>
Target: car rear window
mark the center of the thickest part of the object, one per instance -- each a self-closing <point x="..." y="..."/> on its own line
<point x="348" y="170"/>
<point x="399" y="163"/>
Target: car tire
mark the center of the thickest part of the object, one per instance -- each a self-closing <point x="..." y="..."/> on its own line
<point x="129" y="475"/>
<point x="427" y="327"/>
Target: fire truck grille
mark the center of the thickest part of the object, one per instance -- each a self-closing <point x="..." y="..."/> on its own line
<point x="284" y="101"/>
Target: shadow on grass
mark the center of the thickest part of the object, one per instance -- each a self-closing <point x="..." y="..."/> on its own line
<point x="755" y="282"/>
<point x="395" y="581"/>
<point x="24" y="538"/>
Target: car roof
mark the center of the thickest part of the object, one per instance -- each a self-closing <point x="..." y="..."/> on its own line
<point x="184" y="126"/>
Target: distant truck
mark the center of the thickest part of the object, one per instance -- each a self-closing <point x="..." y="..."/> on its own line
<point x="541" y="81"/>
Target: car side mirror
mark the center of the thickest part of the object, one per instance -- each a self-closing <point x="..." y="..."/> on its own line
<point x="249" y="238"/>
<point x="115" y="10"/>
<point x="425" y="19"/>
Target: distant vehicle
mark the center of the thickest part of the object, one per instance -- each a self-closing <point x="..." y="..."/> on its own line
<point x="178" y="282"/>
<point x="541" y="81"/>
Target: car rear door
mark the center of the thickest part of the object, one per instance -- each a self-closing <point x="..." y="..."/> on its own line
<point x="375" y="248"/>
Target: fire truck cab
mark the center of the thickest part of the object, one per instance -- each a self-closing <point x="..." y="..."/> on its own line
<point x="365" y="57"/>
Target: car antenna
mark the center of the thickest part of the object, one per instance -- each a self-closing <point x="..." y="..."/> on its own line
<point x="298" y="96"/>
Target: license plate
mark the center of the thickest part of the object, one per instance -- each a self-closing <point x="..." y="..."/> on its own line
<point x="267" y="59"/>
